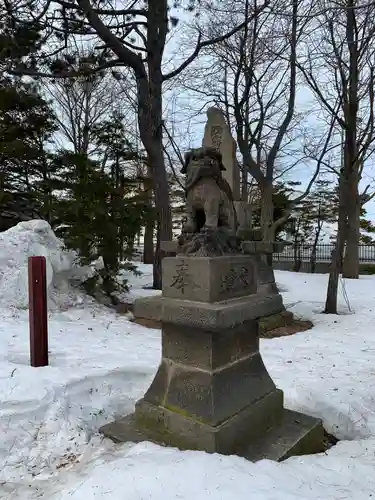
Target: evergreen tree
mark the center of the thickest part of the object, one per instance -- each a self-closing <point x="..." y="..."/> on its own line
<point x="27" y="125"/>
<point x="319" y="208"/>
<point x="120" y="160"/>
<point x="99" y="207"/>
<point x="90" y="202"/>
<point x="368" y="228"/>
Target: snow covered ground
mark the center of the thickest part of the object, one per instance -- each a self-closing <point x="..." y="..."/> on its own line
<point x="101" y="363"/>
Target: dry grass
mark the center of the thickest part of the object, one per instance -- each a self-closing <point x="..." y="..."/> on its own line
<point x="297" y="326"/>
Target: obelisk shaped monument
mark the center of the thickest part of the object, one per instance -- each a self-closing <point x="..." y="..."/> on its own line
<point x="217" y="135"/>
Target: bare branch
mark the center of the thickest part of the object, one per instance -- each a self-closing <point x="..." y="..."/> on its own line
<point x="125" y="55"/>
<point x="213" y="41"/>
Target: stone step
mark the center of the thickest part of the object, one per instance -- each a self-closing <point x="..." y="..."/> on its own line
<point x="296" y="434"/>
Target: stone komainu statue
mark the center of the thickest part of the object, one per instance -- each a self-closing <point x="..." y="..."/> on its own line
<point x="211" y="224"/>
<point x="209" y="198"/>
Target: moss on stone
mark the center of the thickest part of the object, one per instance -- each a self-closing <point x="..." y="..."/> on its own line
<point x="274" y="321"/>
<point x="180" y="411"/>
<point x="157" y="433"/>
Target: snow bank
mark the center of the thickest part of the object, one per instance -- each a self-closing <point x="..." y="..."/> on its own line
<point x="33" y="238"/>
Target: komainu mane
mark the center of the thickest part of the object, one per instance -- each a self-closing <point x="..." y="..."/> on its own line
<point x="211" y="225"/>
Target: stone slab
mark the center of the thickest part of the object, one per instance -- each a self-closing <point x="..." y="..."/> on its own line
<point x="217" y="134"/>
<point x="152" y="307"/>
<point x="220" y="315"/>
<point x="250" y="245"/>
<point x="163" y="426"/>
<point x="290" y="434"/>
<point x="296" y="434"/>
<point x="208" y="279"/>
<point x="148" y="308"/>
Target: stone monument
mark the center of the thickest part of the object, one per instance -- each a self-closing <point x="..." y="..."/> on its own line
<point x="217" y="135"/>
<point x="212" y="391"/>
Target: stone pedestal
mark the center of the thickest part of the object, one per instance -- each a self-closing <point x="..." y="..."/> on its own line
<point x="212" y="391"/>
<point x="266" y="276"/>
<point x="151" y="307"/>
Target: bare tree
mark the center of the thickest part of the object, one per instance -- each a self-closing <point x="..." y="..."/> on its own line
<point x="255" y="82"/>
<point x="338" y="63"/>
<point x="81" y="103"/>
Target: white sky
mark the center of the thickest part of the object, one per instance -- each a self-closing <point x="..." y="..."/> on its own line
<point x="186" y="114"/>
<point x="190" y="114"/>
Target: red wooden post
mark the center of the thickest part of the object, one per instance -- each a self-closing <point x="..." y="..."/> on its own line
<point x="38" y="312"/>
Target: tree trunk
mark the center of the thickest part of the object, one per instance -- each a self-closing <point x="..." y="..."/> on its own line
<point x="333" y="280"/>
<point x="244" y="188"/>
<point x="352" y="206"/>
<point x="148" y="241"/>
<point x="351" y="259"/>
<point x="162" y="208"/>
<point x="337" y="254"/>
<point x="314" y="250"/>
<point x="120" y="218"/>
<point x="266" y="214"/>
<point x="151" y="132"/>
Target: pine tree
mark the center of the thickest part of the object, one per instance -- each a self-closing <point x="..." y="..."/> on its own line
<point x="368" y="228"/>
<point x="81" y="217"/>
<point x="99" y="208"/>
<point x="90" y="202"/>
<point x="120" y="160"/>
<point x="319" y="208"/>
<point x="27" y="125"/>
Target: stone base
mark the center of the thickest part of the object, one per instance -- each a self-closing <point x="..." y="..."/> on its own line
<point x="293" y="434"/>
<point x="151" y="308"/>
<point x="296" y="434"/>
<point x="212" y="391"/>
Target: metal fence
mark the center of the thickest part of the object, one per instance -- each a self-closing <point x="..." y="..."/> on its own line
<point x="303" y="253"/>
<point x="323" y="253"/>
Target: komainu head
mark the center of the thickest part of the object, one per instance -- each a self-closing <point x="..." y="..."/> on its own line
<point x="203" y="157"/>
